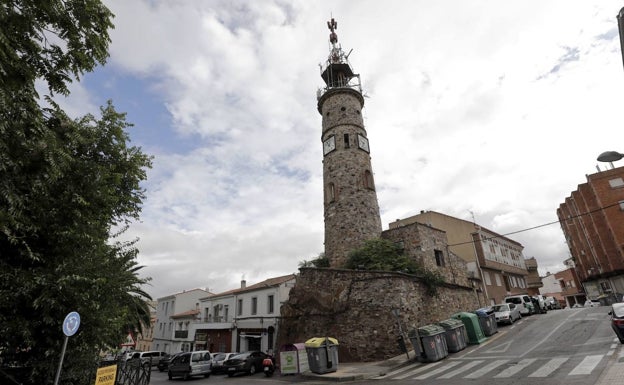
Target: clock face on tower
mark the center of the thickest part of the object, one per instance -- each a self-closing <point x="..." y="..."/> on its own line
<point x="329" y="145"/>
<point x="363" y="143"/>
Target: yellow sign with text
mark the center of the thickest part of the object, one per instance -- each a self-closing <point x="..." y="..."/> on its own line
<point x="106" y="375"/>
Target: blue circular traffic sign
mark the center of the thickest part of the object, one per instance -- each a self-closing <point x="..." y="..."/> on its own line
<point x="71" y="324"/>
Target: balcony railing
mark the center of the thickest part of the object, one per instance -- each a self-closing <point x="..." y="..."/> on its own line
<point x="217" y="319"/>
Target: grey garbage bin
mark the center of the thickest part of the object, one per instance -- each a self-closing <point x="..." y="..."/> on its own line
<point x="487" y="320"/>
<point x="433" y="343"/>
<point x="322" y="354"/>
<point x="455" y="334"/>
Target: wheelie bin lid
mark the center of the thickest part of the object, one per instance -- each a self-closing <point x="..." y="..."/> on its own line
<point x="316" y="342"/>
<point x="451" y="323"/>
<point x="430" y="330"/>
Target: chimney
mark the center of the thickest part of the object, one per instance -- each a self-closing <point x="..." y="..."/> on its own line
<point x="243" y="284"/>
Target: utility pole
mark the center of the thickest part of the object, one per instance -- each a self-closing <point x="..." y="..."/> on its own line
<point x="620" y="20"/>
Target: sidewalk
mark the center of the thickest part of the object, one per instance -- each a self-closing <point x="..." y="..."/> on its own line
<point x="615" y="371"/>
<point x="352" y="371"/>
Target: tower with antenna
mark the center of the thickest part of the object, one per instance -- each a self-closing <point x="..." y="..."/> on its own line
<point x="351" y="209"/>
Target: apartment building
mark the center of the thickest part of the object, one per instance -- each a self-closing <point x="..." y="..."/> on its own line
<point x="592" y="220"/>
<point x="495" y="259"/>
<point x="239" y="320"/>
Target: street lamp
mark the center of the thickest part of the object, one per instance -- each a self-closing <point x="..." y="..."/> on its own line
<point x="610" y="156"/>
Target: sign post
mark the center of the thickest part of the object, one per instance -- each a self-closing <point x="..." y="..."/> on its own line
<point x="70" y="327"/>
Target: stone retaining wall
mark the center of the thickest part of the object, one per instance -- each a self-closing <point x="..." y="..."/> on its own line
<point x="356" y="306"/>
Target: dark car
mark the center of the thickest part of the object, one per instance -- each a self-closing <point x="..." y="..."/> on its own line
<point x="249" y="362"/>
<point x="163" y="364"/>
<point x="617" y="320"/>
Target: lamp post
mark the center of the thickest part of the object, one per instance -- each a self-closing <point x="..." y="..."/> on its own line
<point x="620" y="20"/>
<point x="610" y="157"/>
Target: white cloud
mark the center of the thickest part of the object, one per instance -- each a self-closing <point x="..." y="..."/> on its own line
<point x="488" y="107"/>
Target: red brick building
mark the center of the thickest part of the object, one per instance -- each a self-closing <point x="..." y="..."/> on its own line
<point x="592" y="220"/>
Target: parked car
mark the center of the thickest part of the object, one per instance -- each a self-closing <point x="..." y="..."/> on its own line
<point x="166" y="360"/>
<point x="218" y="359"/>
<point x="249" y="362"/>
<point x="522" y="302"/>
<point x="150" y="357"/>
<point x="540" y="303"/>
<point x="189" y="364"/>
<point x="506" y="313"/>
<point x="592" y="303"/>
<point x="617" y="320"/>
<point x="553" y="303"/>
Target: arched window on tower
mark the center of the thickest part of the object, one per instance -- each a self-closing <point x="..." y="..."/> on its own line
<point x="368" y="180"/>
<point x="331" y="193"/>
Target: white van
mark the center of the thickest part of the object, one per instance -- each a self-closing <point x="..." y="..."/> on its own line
<point x="186" y="365"/>
<point x="523" y="302"/>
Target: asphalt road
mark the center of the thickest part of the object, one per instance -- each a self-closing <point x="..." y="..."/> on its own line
<point x="571" y="346"/>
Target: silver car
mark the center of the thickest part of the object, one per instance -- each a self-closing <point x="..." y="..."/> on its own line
<point x="189" y="364"/>
<point x="506" y="313"/>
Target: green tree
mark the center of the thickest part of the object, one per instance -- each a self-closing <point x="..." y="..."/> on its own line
<point x="66" y="185"/>
<point x="381" y="254"/>
<point x="320" y="261"/>
<point x="384" y="255"/>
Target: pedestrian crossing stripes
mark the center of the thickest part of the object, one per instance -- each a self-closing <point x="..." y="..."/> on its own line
<point x="502" y="368"/>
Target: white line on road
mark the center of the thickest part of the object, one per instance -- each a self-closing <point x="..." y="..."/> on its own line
<point x="491" y="366"/>
<point x="462" y="369"/>
<point x="587" y="365"/>
<point x="516" y="368"/>
<point x="437" y="371"/>
<point x="417" y="370"/>
<point x="549" y="367"/>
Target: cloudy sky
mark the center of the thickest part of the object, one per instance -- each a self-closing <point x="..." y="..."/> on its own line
<point x="486" y="108"/>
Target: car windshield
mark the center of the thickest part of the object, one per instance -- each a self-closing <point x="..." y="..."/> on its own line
<point x="219" y="356"/>
<point x="499" y="308"/>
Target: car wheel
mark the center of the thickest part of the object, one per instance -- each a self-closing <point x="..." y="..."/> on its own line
<point x="252" y="370"/>
<point x="186" y="376"/>
<point x="170" y="376"/>
<point x="230" y="374"/>
<point x="206" y="375"/>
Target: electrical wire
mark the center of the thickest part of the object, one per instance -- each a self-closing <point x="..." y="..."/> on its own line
<point x="538" y="226"/>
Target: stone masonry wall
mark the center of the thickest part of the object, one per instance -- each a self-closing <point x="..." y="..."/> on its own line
<point x="356" y="306"/>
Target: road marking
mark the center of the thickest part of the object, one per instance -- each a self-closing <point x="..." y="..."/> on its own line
<point x="462" y="369"/>
<point x="549" y="367"/>
<point x="587" y="365"/>
<point x="547" y="337"/>
<point x="399" y="370"/>
<point x="516" y="368"/>
<point x="500" y="348"/>
<point x="491" y="366"/>
<point x="437" y="371"/>
<point x="417" y="370"/>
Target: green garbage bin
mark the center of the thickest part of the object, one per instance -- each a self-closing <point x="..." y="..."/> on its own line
<point x="455" y="334"/>
<point x="433" y="343"/>
<point x="416" y="343"/>
<point x="322" y="354"/>
<point x="473" y="327"/>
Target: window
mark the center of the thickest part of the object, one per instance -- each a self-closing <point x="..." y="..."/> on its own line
<point x="254" y="306"/>
<point x="226" y="313"/>
<point x="621" y="205"/>
<point x="439" y="257"/>
<point x="498" y="280"/>
<point x="368" y="180"/>
<point x="486" y="277"/>
<point x="240" y="307"/>
<point x="270" y="304"/>
<point x="331" y="193"/>
<point x="346" y="140"/>
<point x="616" y="183"/>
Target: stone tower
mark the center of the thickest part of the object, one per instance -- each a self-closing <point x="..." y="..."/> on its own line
<point x="350" y="202"/>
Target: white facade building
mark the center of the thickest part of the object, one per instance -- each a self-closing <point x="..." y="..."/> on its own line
<point x="174" y="315"/>
<point x="239" y="320"/>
